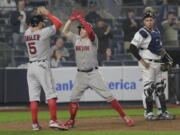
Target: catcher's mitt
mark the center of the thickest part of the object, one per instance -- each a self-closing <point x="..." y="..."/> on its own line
<point x="165" y="66"/>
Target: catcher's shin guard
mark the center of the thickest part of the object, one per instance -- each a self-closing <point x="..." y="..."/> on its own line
<point x="160" y="93"/>
<point x="148" y="91"/>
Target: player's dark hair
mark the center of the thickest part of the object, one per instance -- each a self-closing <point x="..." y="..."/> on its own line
<point x="82" y="27"/>
<point x="79" y="28"/>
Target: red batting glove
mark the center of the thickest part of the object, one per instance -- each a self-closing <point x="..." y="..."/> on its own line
<point x="75" y="15"/>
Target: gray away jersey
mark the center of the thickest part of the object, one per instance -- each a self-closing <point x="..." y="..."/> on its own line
<point x="38" y="42"/>
<point x="86" y="52"/>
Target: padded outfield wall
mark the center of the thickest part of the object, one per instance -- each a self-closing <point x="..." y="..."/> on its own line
<point x="124" y="82"/>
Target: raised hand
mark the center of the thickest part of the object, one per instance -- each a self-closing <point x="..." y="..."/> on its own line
<point x="76" y="15"/>
<point x="42" y="11"/>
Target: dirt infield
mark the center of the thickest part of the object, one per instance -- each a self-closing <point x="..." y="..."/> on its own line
<point x="105" y="124"/>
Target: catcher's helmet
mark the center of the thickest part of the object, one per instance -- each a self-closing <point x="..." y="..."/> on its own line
<point x="35" y="20"/>
<point x="148" y="14"/>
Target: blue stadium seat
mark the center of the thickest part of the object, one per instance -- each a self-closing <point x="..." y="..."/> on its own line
<point x="68" y="45"/>
<point x="19" y="53"/>
<point x="130" y="63"/>
<point x="21" y="60"/>
<point x="72" y="54"/>
<point x="112" y="63"/>
<point x="108" y="21"/>
<point x="68" y="64"/>
<point x="123" y="57"/>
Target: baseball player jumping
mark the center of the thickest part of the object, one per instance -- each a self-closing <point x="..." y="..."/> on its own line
<point x="39" y="75"/>
<point x="86" y="45"/>
<point x="146" y="46"/>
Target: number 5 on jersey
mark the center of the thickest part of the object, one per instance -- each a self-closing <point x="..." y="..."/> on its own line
<point x="32" y="48"/>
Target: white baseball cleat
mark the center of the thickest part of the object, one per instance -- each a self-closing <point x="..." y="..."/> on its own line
<point x="36" y="127"/>
<point x="166" y="116"/>
<point x="150" y="116"/>
<point x="57" y="124"/>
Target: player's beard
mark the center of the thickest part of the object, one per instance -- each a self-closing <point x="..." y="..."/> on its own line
<point x="149" y="27"/>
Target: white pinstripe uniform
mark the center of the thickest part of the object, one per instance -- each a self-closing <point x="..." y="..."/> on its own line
<point x="149" y="45"/>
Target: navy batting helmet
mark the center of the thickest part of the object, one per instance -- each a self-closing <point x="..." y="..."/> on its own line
<point x="148" y="14"/>
<point x="81" y="26"/>
<point x="35" y="20"/>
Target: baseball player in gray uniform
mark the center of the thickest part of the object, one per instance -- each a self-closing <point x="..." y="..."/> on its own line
<point x="37" y="38"/>
<point x="146" y="46"/>
<point x="86" y="45"/>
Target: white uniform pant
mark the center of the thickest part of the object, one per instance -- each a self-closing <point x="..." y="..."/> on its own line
<point x="92" y="80"/>
<point x="152" y="74"/>
<point x="39" y="77"/>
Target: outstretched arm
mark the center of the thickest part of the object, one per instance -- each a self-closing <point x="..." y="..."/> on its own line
<point x="66" y="30"/>
<point x="54" y="20"/>
<point x="88" y="28"/>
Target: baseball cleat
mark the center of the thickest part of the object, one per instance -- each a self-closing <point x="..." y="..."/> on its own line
<point x="56" y="124"/>
<point x="70" y="123"/>
<point x="128" y="121"/>
<point x="166" y="116"/>
<point x="36" y="127"/>
<point x="151" y="116"/>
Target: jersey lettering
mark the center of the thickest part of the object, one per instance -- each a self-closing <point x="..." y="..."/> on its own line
<point x="32" y="37"/>
<point x="82" y="48"/>
<point x="32" y="48"/>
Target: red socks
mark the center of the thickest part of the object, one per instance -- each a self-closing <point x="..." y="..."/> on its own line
<point x="52" y="108"/>
<point x="73" y="109"/>
<point x="115" y="104"/>
<point x="34" y="111"/>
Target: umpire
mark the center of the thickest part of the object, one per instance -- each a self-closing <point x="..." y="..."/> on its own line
<point x="153" y="60"/>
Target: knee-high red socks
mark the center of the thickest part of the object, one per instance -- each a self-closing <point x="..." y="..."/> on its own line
<point x="115" y="104"/>
<point x="52" y="108"/>
<point x="73" y="108"/>
<point x="34" y="111"/>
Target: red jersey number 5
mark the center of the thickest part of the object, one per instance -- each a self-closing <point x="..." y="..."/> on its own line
<point x="32" y="48"/>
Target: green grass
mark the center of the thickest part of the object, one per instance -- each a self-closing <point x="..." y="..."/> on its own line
<point x="44" y="115"/>
<point x="13" y="132"/>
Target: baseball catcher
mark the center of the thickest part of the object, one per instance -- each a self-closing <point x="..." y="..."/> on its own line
<point x="146" y="46"/>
